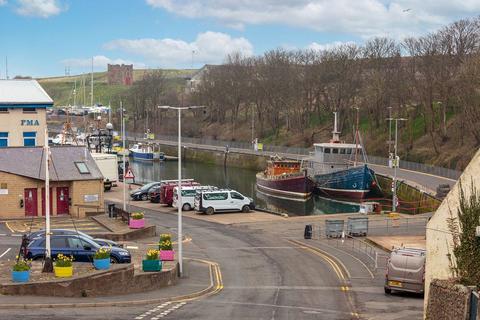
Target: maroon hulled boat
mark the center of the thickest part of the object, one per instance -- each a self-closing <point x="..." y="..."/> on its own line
<point x="285" y="178"/>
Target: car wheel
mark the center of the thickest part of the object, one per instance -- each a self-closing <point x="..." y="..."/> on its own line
<point x="387" y="290"/>
<point x="186" y="207"/>
<point x="113" y="259"/>
<point x="144" y="197"/>
<point x="245" y="209"/>
<point x="209" y="211"/>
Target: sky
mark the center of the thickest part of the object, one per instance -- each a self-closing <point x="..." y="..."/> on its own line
<point x="43" y="37"/>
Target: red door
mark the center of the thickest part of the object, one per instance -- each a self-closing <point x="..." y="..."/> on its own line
<point x="62" y="200"/>
<point x="30" y="202"/>
<point x="43" y="202"/>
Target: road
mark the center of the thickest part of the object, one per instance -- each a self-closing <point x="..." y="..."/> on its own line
<point x="265" y="276"/>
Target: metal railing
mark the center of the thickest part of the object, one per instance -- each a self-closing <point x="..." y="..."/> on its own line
<point x="378" y="260"/>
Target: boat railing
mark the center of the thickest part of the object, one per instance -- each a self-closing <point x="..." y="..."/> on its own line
<point x="283" y="176"/>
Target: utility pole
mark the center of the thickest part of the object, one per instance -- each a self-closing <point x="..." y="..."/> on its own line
<point x="91" y="86"/>
<point x="389" y="132"/>
<point x="395" y="162"/>
<point x="123" y="158"/>
<point x="48" y="266"/>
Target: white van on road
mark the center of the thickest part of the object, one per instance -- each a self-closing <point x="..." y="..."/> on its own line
<point x="188" y="196"/>
<point x="212" y="201"/>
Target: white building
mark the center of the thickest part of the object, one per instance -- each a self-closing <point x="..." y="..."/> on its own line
<point x="23" y="107"/>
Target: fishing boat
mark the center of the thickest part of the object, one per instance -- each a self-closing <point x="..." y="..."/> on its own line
<point x="285" y="178"/>
<point x="146" y="152"/>
<point x="336" y="168"/>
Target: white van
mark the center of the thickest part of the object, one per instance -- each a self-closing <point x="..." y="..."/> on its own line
<point x="108" y="166"/>
<point x="212" y="201"/>
<point x="188" y="196"/>
<point x="406" y="270"/>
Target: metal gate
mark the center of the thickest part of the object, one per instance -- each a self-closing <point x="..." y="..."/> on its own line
<point x="474" y="305"/>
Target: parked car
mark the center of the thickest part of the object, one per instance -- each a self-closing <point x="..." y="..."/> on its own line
<point x="60" y="232"/>
<point x="166" y="190"/>
<point x="142" y="192"/>
<point x="212" y="201"/>
<point x="154" y="194"/>
<point x="406" y="271"/>
<point x="188" y="196"/>
<point x="81" y="248"/>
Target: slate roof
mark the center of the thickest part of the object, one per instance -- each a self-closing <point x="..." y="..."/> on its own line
<point x="18" y="92"/>
<point x="29" y="162"/>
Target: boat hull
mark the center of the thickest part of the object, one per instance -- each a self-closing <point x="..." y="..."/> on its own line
<point x="351" y="183"/>
<point x="142" y="156"/>
<point x="299" y="186"/>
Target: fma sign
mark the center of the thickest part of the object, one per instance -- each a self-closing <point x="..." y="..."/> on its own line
<point x="29" y="122"/>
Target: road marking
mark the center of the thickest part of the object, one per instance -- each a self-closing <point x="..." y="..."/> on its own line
<point x="161" y="314"/>
<point x="131" y="247"/>
<point x="6" y="251"/>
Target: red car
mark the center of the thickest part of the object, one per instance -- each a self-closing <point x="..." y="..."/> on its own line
<point x="166" y="190"/>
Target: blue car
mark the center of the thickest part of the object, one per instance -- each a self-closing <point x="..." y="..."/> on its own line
<point x="60" y="232"/>
<point x="81" y="248"/>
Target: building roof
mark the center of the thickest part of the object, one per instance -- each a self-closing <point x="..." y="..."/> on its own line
<point x="30" y="162"/>
<point x="337" y="145"/>
<point x="21" y="92"/>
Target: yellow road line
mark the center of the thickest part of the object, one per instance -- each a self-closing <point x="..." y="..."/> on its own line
<point x="8" y="226"/>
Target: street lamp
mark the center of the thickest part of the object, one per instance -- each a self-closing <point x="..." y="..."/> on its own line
<point x="395" y="163"/>
<point x="179" y="193"/>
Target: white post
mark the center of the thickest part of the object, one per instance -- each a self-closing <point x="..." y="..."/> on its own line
<point x="123" y="159"/>
<point x="394" y="204"/>
<point x="47" y="199"/>
<point x="179" y="193"/>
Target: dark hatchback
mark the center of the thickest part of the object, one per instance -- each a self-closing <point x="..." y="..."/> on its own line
<point x="63" y="232"/>
<point x="81" y="248"/>
<point x="154" y="194"/>
<point x="142" y="192"/>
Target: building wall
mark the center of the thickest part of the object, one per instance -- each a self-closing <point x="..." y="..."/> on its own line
<point x="16" y="122"/>
<point x="16" y="185"/>
<point x="439" y="240"/>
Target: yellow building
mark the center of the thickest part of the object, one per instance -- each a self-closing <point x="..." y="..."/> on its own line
<point x="76" y="183"/>
<point x="23" y="118"/>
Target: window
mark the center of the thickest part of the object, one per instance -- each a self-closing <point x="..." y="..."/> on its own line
<point x="3" y="139"/>
<point x="29" y="139"/>
<point x="327" y="150"/>
<point x="29" y="110"/>
<point x="349" y="151"/>
<point x="342" y="151"/>
<point x="3" y="110"/>
<point x="82" y="167"/>
<point x="77" y="243"/>
<point x="188" y="193"/>
<point x="215" y="196"/>
<point x="334" y="150"/>
<point x="236" y="195"/>
<point x="58" y="242"/>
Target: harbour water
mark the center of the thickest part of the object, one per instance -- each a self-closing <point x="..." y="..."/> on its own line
<point x="242" y="180"/>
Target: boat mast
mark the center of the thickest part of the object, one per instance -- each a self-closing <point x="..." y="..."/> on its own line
<point x="91" y="86"/>
<point x="335" y="132"/>
<point x="356" y="137"/>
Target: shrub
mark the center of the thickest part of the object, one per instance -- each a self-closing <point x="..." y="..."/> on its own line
<point x="137" y="215"/>
<point x="165" y="245"/>
<point x="21" y="265"/>
<point x="102" y="253"/>
<point x="152" y="254"/>
<point x="165" y="236"/>
<point x="63" y="261"/>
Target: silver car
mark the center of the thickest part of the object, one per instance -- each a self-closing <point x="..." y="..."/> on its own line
<point x="406" y="271"/>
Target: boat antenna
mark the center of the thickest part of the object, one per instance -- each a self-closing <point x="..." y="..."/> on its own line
<point x="356" y="137"/>
<point x="335" y="132"/>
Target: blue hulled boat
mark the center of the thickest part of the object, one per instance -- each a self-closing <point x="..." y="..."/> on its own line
<point x="337" y="171"/>
<point x="146" y="152"/>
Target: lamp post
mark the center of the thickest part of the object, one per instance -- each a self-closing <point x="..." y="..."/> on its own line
<point x="179" y="192"/>
<point x="122" y="111"/>
<point x="395" y="163"/>
<point x="48" y="266"/>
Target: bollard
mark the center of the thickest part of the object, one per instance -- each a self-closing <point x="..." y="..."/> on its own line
<point x="308" y="231"/>
<point x="111" y="210"/>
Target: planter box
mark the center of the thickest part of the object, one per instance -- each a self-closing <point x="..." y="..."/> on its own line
<point x="20" y="276"/>
<point x="101" y="264"/>
<point x="63" y="272"/>
<point x="167" y="255"/>
<point x="136" y="224"/>
<point x="151" y="265"/>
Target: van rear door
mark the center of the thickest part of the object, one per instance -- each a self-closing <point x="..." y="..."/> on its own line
<point x="396" y="269"/>
<point x="415" y="268"/>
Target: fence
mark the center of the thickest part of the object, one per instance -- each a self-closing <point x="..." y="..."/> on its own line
<point x="378" y="260"/>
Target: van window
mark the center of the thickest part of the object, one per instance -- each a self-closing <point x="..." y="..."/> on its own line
<point x="236" y="195"/>
<point x="215" y="196"/>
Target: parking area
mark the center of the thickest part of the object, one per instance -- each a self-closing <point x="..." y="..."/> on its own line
<point x="24" y="226"/>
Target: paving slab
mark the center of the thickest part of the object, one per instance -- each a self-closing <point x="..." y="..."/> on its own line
<point x="389" y="242"/>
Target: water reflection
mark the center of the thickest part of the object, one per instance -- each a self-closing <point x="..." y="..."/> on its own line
<point x="242" y="180"/>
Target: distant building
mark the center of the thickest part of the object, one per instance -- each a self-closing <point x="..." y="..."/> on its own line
<point x="198" y="77"/>
<point x="120" y="74"/>
<point x="23" y="113"/>
<point x="76" y="183"/>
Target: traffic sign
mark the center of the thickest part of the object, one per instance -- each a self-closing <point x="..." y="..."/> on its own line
<point x="129" y="174"/>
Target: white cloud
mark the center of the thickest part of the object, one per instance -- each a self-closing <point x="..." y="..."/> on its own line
<point x="327" y="46"/>
<point x="208" y="47"/>
<point x="3" y="2"/>
<point x="38" y="8"/>
<point x="99" y="62"/>
<point x="364" y="18"/>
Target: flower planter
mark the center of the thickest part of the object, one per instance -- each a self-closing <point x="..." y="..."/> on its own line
<point x="167" y="255"/>
<point x="101" y="264"/>
<point x="20" y="276"/>
<point x="136" y="224"/>
<point x="151" y="265"/>
<point x="63" y="272"/>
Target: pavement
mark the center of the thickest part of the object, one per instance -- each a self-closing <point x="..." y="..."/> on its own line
<point x="388" y="243"/>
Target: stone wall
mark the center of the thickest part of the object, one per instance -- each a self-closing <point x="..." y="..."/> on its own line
<point x="120" y="279"/>
<point x="448" y="301"/>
